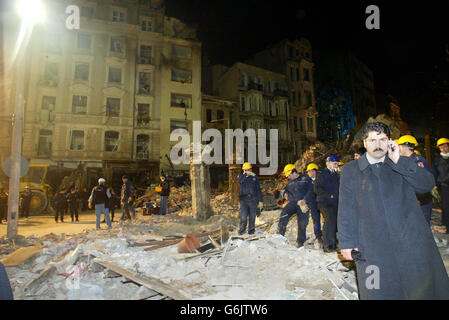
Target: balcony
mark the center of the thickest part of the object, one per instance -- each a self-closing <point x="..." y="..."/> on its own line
<point x="145" y="60"/>
<point x="255" y="86"/>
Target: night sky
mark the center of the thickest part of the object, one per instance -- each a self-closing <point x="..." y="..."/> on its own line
<point x="402" y="54"/>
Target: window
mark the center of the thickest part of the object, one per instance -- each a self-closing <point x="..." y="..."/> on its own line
<point x="308" y="99"/>
<point x="269" y="86"/>
<point x="181" y="100"/>
<point x="292" y="74"/>
<point x="181" y="75"/>
<point x="111" y="139"/>
<point x="208" y="115"/>
<point x="117" y="44"/>
<point x="286" y="109"/>
<point x="84" y="41"/>
<point x="44" y="145"/>
<point x="146" y="25"/>
<point x="220" y="115"/>
<point x="306" y="74"/>
<point x="79" y="104"/>
<point x="181" y="51"/>
<point x="143" y="114"/>
<point x="142" y="146"/>
<point x="77" y="140"/>
<point x="51" y="72"/>
<point x="87" y="12"/>
<point x="301" y="125"/>
<point x="243" y="103"/>
<point x="298" y="93"/>
<point x="115" y="75"/>
<point x="244" y="125"/>
<point x="231" y="116"/>
<point x="242" y="80"/>
<point x="144" y="82"/>
<point x="118" y="16"/>
<point x="48" y="103"/>
<point x="112" y="107"/>
<point x="310" y="124"/>
<point x="290" y="52"/>
<point x="295" y="124"/>
<point x="82" y="71"/>
<point x="176" y="124"/>
<point x="145" y="54"/>
<point x="297" y="74"/>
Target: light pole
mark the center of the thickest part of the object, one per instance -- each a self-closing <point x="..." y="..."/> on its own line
<point x="30" y="11"/>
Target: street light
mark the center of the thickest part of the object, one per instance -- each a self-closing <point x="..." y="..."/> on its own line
<point x="31" y="12"/>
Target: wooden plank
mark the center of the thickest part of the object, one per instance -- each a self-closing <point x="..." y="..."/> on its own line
<point x="162" y="245"/>
<point x="149" y="282"/>
<point x="21" y="255"/>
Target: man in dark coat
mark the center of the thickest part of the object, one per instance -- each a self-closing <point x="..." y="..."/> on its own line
<point x="26" y="202"/>
<point x="164" y="186"/>
<point x="127" y="198"/>
<point x="381" y="226"/>
<point x="250" y="197"/>
<point x="73" y="203"/>
<point x="441" y="172"/>
<point x="60" y="203"/>
<point x="326" y="189"/>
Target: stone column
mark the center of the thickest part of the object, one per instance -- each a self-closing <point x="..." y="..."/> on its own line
<point x="200" y="181"/>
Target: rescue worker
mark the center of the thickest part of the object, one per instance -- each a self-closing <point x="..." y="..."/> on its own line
<point x="359" y="152"/>
<point x="311" y="171"/>
<point x="326" y="189"/>
<point x="407" y="145"/>
<point x="164" y="191"/>
<point x="127" y="198"/>
<point x="73" y="203"/>
<point x="298" y="193"/>
<point x="99" y="198"/>
<point x="441" y="173"/>
<point x="250" y="197"/>
<point x="26" y="202"/>
<point x="3" y="205"/>
<point x="60" y="203"/>
<point x="382" y="229"/>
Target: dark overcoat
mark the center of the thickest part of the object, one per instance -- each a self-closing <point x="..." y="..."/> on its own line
<point x="378" y="213"/>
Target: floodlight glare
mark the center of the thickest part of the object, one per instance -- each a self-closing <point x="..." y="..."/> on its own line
<point x="31" y="11"/>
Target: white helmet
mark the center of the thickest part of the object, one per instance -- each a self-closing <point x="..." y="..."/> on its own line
<point x="101" y="180"/>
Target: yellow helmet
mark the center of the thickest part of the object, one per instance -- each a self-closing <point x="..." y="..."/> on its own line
<point x="341" y="163"/>
<point x="408" y="139"/>
<point x="312" y="166"/>
<point x="442" y="141"/>
<point x="417" y="152"/>
<point x="288" y="169"/>
<point x="246" y="166"/>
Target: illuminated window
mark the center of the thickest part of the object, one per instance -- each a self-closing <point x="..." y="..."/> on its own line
<point x="111" y="139"/>
<point x="181" y="100"/>
<point x="77" y="140"/>
<point x="181" y="75"/>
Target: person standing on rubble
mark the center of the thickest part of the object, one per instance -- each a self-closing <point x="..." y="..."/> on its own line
<point x="164" y="191"/>
<point x="382" y="229"/>
<point x="326" y="189"/>
<point x="407" y="145"/>
<point x="60" y="203"/>
<point x="73" y="203"/>
<point x="114" y="203"/>
<point x="3" y="205"/>
<point x="127" y="198"/>
<point x="99" y="198"/>
<point x="441" y="173"/>
<point x="311" y="172"/>
<point x="298" y="193"/>
<point x="250" y="196"/>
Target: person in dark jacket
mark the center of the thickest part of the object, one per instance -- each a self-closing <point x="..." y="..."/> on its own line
<point x="441" y="172"/>
<point x="250" y="196"/>
<point x="3" y="205"/>
<point x="298" y="193"/>
<point x="311" y="172"/>
<point x="73" y="203"/>
<point x="114" y="203"/>
<point x="60" y="203"/>
<point x="164" y="187"/>
<point x="127" y="198"/>
<point x="84" y="199"/>
<point x="381" y="225"/>
<point x="26" y="202"/>
<point x="407" y="145"/>
<point x="99" y="198"/>
<point x="5" y="285"/>
<point x="326" y="189"/>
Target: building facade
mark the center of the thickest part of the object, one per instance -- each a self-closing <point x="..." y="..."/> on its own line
<point x="109" y="94"/>
<point x="294" y="60"/>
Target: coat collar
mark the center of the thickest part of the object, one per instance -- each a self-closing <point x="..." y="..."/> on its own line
<point x="363" y="162"/>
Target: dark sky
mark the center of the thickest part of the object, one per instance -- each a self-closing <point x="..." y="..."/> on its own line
<point x="402" y="54"/>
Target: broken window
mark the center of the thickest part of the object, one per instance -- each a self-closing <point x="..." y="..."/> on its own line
<point x="44" y="145"/>
<point x="118" y="16"/>
<point x="143" y="114"/>
<point x="310" y="124"/>
<point x="145" y="54"/>
<point x="116" y="44"/>
<point x="48" y="103"/>
<point x="142" y="146"/>
<point x="115" y="75"/>
<point x="144" y="82"/>
<point x="181" y="51"/>
<point x="82" y="71"/>
<point x="181" y="100"/>
<point x="208" y="115"/>
<point x="112" y="107"/>
<point x="181" y="75"/>
<point x="111" y="139"/>
<point x="146" y="25"/>
<point x="79" y="104"/>
<point x="77" y="140"/>
<point x="51" y="73"/>
<point x="84" y="41"/>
